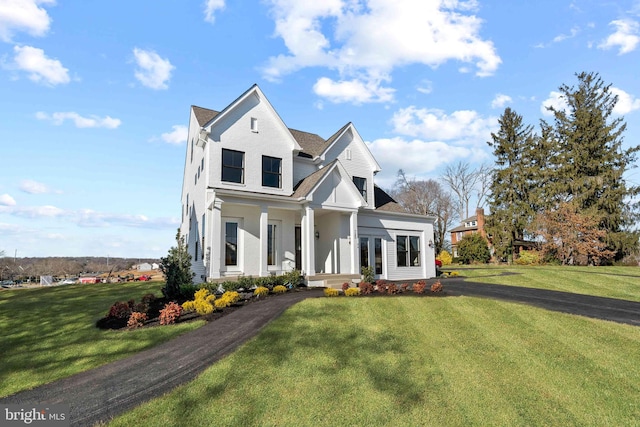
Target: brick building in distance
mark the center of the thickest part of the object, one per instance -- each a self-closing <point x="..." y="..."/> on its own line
<point x="473" y="224"/>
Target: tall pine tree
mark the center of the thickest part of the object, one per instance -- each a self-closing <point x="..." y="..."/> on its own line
<point x="591" y="160"/>
<point x="513" y="180"/>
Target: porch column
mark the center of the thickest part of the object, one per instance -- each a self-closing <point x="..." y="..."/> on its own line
<point x="215" y="238"/>
<point x="308" y="242"/>
<point x="355" y="243"/>
<point x="264" y="225"/>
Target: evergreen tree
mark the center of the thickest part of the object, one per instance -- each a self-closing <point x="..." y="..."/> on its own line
<point x="176" y="267"/>
<point x="592" y="161"/>
<point x="514" y="177"/>
<point x="473" y="248"/>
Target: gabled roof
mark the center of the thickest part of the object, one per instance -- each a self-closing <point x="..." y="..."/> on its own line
<point x="311" y="143"/>
<point x="304" y="187"/>
<point x="204" y="115"/>
<point x="384" y="202"/>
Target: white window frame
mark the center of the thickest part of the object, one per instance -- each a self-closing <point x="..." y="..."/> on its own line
<point x="238" y="267"/>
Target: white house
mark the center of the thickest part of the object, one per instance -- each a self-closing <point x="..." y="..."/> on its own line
<point x="259" y="198"/>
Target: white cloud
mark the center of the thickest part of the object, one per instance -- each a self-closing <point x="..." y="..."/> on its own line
<point x="34" y="187"/>
<point x="354" y="91"/>
<point x="626" y="102"/>
<point x="211" y="7"/>
<point x="464" y="126"/>
<point x="40" y="68"/>
<point x="501" y="100"/>
<point x="417" y="157"/>
<point x="626" y="36"/>
<point x="23" y="15"/>
<point x="153" y="71"/>
<point x="371" y="38"/>
<point x="556" y="100"/>
<point x="7" y="200"/>
<point x="426" y="87"/>
<point x="177" y="136"/>
<point x="92" y="121"/>
<point x="561" y="37"/>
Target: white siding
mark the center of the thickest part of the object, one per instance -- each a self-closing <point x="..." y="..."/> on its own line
<point x="302" y="169"/>
<point x="272" y="139"/>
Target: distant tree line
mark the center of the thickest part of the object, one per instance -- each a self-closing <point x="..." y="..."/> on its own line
<point x="13" y="268"/>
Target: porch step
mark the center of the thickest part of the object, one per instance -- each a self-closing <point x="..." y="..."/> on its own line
<point x="332" y="280"/>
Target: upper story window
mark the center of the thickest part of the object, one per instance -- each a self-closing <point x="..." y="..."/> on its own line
<point x="471" y="224"/>
<point x="361" y="185"/>
<point x="232" y="166"/>
<point x="271" y="172"/>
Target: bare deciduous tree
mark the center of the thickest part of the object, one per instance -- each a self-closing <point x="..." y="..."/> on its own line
<point x="427" y="197"/>
<point x="466" y="182"/>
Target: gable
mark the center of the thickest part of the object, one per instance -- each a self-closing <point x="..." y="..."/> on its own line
<point x="347" y="145"/>
<point x="336" y="190"/>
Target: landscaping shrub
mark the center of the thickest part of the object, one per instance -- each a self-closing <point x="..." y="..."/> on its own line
<point x="366" y="288"/>
<point x="404" y="287"/>
<point x="392" y="288"/>
<point x="136" y="320"/>
<point x="230" y="285"/>
<point x="170" y="313"/>
<point x="261" y="291"/>
<point x="473" y="248"/>
<point x="345" y="286"/>
<point x="228" y="298"/>
<point x="436" y="287"/>
<point x="120" y="310"/>
<point x="367" y="274"/>
<point x="419" y="287"/>
<point x="381" y="286"/>
<point x="279" y="289"/>
<point x="445" y="258"/>
<point x="350" y="292"/>
<point x="202" y="303"/>
<point x="330" y="292"/>
<point x="528" y="258"/>
<point x="187" y="291"/>
<point x="148" y="299"/>
<point x="292" y="277"/>
<point x="246" y="282"/>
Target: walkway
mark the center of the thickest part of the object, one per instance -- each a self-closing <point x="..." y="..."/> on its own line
<point x="105" y="392"/>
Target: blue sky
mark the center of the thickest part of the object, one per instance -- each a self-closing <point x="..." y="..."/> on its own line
<point x="95" y="96"/>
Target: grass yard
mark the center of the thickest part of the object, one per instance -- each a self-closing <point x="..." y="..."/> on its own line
<point x="406" y="361"/>
<point x="612" y="282"/>
<point x="50" y="333"/>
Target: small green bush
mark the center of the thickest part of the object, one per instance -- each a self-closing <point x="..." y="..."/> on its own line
<point x="188" y="291"/>
<point x="473" y="248"/>
<point x="367" y="274"/>
<point x="246" y="282"/>
<point x="292" y="277"/>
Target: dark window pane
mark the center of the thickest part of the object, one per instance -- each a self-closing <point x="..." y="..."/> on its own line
<point x="271" y="171"/>
<point x="414" y="248"/>
<point x="364" y="252"/>
<point x="232" y="166"/>
<point x="231" y="243"/>
<point x="361" y="185"/>
<point x="401" y="250"/>
<point x="378" y="255"/>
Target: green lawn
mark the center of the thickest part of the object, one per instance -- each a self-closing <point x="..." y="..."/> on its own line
<point x="49" y="333"/>
<point x="407" y="361"/>
<point x="613" y="282"/>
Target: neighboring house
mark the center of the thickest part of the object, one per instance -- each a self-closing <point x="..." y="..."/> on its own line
<point x="474" y="224"/>
<point x="155" y="266"/>
<point x="259" y="198"/>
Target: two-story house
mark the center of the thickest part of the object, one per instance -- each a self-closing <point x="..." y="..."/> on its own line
<point x="259" y="198"/>
<point x="473" y="224"/>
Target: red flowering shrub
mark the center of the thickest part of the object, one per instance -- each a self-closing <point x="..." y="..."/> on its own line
<point x="136" y="320"/>
<point x="419" y="286"/>
<point x="345" y="286"/>
<point x="120" y="310"/>
<point x="365" y="288"/>
<point x="170" y="313"/>
<point x="436" y="287"/>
